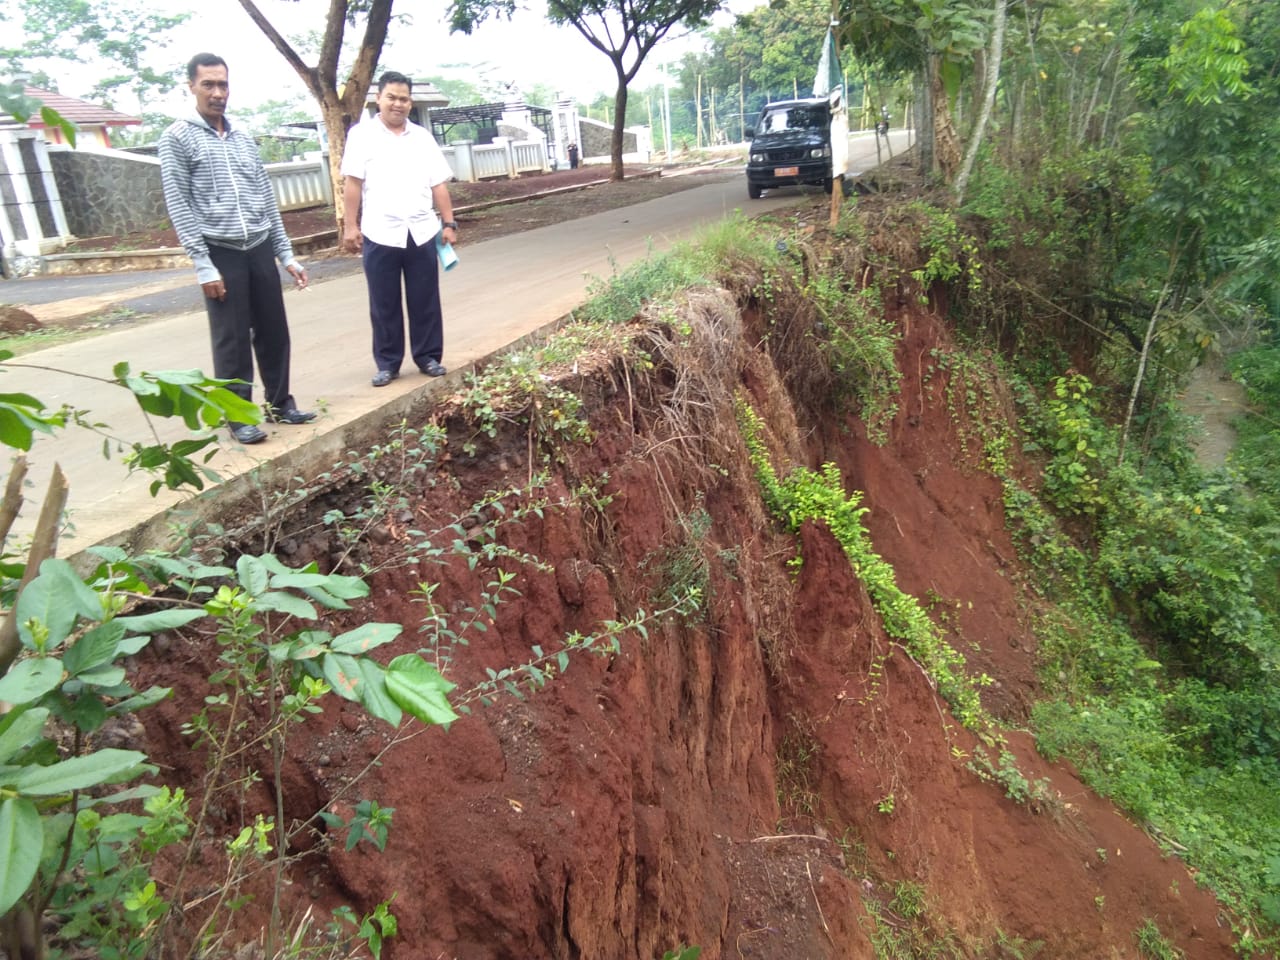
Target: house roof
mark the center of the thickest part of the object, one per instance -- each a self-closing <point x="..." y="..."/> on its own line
<point x="77" y="111"/>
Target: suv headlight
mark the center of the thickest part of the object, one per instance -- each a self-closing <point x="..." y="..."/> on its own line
<point x="820" y="152"/>
<point x="757" y="158"/>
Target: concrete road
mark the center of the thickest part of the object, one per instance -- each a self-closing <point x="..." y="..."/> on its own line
<point x="501" y="290"/>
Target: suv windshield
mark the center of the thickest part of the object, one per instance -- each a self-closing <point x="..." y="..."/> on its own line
<point x="793" y="118"/>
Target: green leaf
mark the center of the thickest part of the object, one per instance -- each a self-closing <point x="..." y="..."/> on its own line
<point x="103" y="677"/>
<point x="332" y="591"/>
<point x="30" y="679"/>
<point x="344" y="676"/>
<point x="366" y="637"/>
<point x="419" y="688"/>
<point x="19" y="729"/>
<point x="148" y="698"/>
<point x="281" y="602"/>
<point x="131" y="645"/>
<point x="78" y="773"/>
<point x="307" y="645"/>
<point x="222" y="404"/>
<point x="21" y="841"/>
<point x="374" y="695"/>
<point x="160" y="620"/>
<point x="55" y="598"/>
<point x="299" y="581"/>
<point x="95" y="648"/>
<point x="20" y="416"/>
<point x="252" y="574"/>
<point x="52" y="118"/>
<point x="88" y="713"/>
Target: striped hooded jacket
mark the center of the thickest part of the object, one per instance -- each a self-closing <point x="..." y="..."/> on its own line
<point x="218" y="192"/>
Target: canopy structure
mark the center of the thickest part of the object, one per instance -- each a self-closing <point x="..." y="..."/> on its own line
<point x="485" y="118"/>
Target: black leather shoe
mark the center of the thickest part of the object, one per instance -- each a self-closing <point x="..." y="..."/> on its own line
<point x="290" y="414"/>
<point x="383" y="377"/>
<point x="433" y="368"/>
<point x="246" y="433"/>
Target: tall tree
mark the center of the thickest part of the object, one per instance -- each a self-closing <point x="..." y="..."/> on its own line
<point x="339" y="110"/>
<point x="1206" y="129"/>
<point x="626" y="31"/>
<point x="936" y="41"/>
<point x="770" y="47"/>
<point x="993" y="61"/>
<point x="58" y="31"/>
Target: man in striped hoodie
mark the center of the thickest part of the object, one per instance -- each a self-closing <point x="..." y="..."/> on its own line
<point x="222" y="206"/>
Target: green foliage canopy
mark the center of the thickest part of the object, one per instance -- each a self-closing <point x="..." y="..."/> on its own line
<point x="60" y="31"/>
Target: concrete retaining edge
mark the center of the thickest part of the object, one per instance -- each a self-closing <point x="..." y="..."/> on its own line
<point x="242" y="495"/>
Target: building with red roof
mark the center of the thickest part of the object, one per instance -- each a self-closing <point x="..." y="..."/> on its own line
<point x="94" y="123"/>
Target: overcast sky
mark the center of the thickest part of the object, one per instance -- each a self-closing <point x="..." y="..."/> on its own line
<point x="527" y="50"/>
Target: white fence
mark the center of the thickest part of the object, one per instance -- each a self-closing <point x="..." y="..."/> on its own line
<point x="300" y="185"/>
<point x="306" y="184"/>
<point x="502" y="158"/>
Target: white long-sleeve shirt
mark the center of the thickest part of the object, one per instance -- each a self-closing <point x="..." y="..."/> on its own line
<point x="397" y="171"/>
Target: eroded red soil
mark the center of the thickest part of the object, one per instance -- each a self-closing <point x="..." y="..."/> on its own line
<point x="751" y="781"/>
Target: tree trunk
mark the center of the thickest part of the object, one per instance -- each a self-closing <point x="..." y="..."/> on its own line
<point x="619" y="122"/>
<point x="1137" y="379"/>
<point x="1165" y="294"/>
<point x="924" y="127"/>
<point x="946" y="145"/>
<point x="339" y="112"/>
<point x="988" y="99"/>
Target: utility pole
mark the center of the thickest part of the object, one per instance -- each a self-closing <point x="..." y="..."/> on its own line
<point x="698" y="105"/>
<point x="666" y="110"/>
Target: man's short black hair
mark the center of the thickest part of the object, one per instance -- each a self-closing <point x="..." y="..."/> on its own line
<point x="391" y="76"/>
<point x="203" y="60"/>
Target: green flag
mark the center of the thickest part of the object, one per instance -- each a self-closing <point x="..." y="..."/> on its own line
<point x="829" y="75"/>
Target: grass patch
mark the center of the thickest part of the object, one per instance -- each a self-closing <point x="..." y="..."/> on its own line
<point x="1160" y="644"/>
<point x="805" y="495"/>
<point x="93" y="326"/>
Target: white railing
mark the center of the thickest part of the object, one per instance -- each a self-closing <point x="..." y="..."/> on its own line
<point x="502" y="158"/>
<point x="491" y="160"/>
<point x="306" y="184"/>
<point x="299" y="185"/>
<point x="530" y="156"/>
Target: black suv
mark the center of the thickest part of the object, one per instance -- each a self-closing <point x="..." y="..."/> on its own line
<point x="791" y="144"/>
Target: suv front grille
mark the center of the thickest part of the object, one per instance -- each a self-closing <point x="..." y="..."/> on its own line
<point x="786" y="154"/>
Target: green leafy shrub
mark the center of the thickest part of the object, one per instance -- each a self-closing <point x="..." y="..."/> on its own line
<point x="860" y="345"/>
<point x="805" y="495"/>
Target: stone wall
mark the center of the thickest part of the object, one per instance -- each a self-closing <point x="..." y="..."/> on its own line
<point x="108" y="194"/>
<point x="597" y="138"/>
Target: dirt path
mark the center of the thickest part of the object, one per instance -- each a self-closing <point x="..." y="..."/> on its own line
<point x="1215" y="400"/>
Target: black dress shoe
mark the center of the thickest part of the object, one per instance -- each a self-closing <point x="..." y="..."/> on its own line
<point x="246" y="433"/>
<point x="383" y="377"/>
<point x="290" y="414"/>
<point x="433" y="368"/>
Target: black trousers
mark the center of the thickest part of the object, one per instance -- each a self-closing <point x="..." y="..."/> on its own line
<point x="250" y="322"/>
<point x="384" y="269"/>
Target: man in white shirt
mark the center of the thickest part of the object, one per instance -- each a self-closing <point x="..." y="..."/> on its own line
<point x="395" y="201"/>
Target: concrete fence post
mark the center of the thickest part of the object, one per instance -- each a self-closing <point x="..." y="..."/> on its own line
<point x="463" y="167"/>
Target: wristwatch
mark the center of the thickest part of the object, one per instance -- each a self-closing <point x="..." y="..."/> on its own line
<point x="449" y="223"/>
